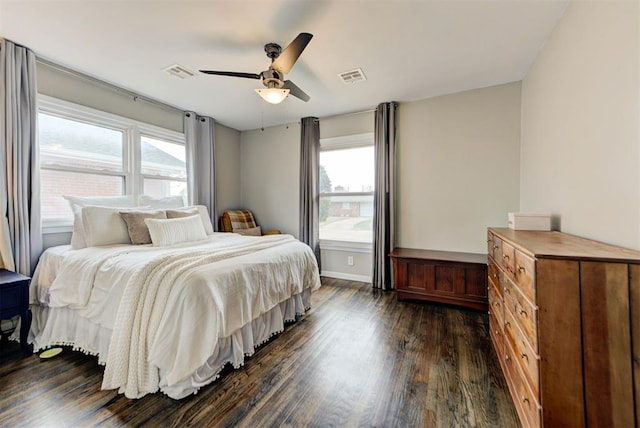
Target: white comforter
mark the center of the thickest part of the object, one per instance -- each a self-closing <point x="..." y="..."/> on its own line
<point x="174" y="304"/>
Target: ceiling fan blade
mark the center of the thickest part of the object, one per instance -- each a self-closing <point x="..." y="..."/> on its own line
<point x="289" y="56"/>
<point x="295" y="91"/>
<point x="232" y="74"/>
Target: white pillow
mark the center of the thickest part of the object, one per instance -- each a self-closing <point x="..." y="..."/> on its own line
<point x="175" y="230"/>
<point x="78" y="239"/>
<point x="162" y="203"/>
<point x="204" y="214"/>
<point x="105" y="226"/>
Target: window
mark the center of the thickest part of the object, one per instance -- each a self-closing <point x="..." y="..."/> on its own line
<point x="164" y="171"/>
<point x="346" y="188"/>
<point x="86" y="152"/>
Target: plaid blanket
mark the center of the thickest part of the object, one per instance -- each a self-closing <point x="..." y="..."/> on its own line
<point x="237" y="219"/>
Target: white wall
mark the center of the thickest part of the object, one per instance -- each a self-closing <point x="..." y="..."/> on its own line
<point x="334" y="263"/>
<point x="228" y="190"/>
<point x="68" y="87"/>
<point x="270" y="176"/>
<point x="580" y="139"/>
<point x="457" y="165"/>
<point x="347" y="124"/>
<point x="457" y="168"/>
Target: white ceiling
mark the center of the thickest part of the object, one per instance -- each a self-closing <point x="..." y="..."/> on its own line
<point x="408" y="50"/>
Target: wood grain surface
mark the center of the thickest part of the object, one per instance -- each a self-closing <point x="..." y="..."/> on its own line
<point x="608" y="374"/>
<point x="358" y="358"/>
<point x="556" y="244"/>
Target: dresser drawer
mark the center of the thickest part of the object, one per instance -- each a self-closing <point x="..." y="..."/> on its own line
<point x="526" y="403"/>
<point x="11" y="296"/>
<point x="497" y="334"/>
<point x="526" y="315"/>
<point x="12" y="300"/>
<point x="524" y="274"/>
<point x="494" y="246"/>
<point x="490" y="243"/>
<point x="495" y="303"/>
<point x="496" y="250"/>
<point x="508" y="259"/>
<point x="495" y="276"/>
<point x="525" y="355"/>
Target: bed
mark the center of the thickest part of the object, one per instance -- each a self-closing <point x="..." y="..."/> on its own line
<point x="169" y="318"/>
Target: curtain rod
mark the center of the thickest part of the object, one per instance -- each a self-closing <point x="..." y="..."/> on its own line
<point x="349" y="114"/>
<point x="107" y="85"/>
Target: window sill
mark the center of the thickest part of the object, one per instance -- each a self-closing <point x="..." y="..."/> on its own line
<point x="353" y="247"/>
<point x="63" y="228"/>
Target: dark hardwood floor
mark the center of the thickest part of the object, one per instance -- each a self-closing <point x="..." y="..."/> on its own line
<point x="358" y="358"/>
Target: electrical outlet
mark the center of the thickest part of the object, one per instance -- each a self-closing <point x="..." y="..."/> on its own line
<point x="350" y="260"/>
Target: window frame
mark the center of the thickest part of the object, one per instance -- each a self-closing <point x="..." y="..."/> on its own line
<point x="132" y="131"/>
<point x="345" y="142"/>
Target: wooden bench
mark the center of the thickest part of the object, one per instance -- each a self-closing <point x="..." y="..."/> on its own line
<point x="441" y="276"/>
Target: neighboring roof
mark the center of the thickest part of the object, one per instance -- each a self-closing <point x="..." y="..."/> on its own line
<point x="353" y="198"/>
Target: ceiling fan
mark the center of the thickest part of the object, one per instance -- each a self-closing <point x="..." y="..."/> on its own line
<point x="282" y="62"/>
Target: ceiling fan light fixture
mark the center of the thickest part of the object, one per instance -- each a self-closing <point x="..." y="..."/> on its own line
<point x="273" y="95"/>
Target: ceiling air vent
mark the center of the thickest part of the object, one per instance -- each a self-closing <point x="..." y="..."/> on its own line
<point x="179" y="71"/>
<point x="352" y="76"/>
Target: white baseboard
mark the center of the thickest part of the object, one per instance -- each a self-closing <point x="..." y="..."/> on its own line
<point x="346" y="276"/>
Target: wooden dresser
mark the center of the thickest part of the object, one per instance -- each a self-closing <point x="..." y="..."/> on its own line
<point x="564" y="314"/>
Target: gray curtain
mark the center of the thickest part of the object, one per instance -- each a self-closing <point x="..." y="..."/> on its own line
<point x="310" y="184"/>
<point x="384" y="195"/>
<point x="21" y="232"/>
<point x="201" y="162"/>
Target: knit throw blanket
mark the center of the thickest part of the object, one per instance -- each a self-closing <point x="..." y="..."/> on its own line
<point x="132" y="363"/>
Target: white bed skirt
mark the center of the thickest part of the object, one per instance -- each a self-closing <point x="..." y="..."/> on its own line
<point x="68" y="327"/>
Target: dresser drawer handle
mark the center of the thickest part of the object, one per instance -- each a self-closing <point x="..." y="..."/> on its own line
<point x="506" y="357"/>
<point x="525" y="356"/>
<point x="507" y="324"/>
<point x="523" y="312"/>
<point x="524" y="399"/>
<point x="505" y="256"/>
<point x="521" y="269"/>
<point x="495" y="247"/>
<point x="507" y="290"/>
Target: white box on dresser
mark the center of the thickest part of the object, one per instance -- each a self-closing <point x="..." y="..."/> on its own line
<point x="529" y="221"/>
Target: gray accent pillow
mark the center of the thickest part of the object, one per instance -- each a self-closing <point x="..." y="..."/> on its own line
<point x="181" y="213"/>
<point x="138" y="229"/>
